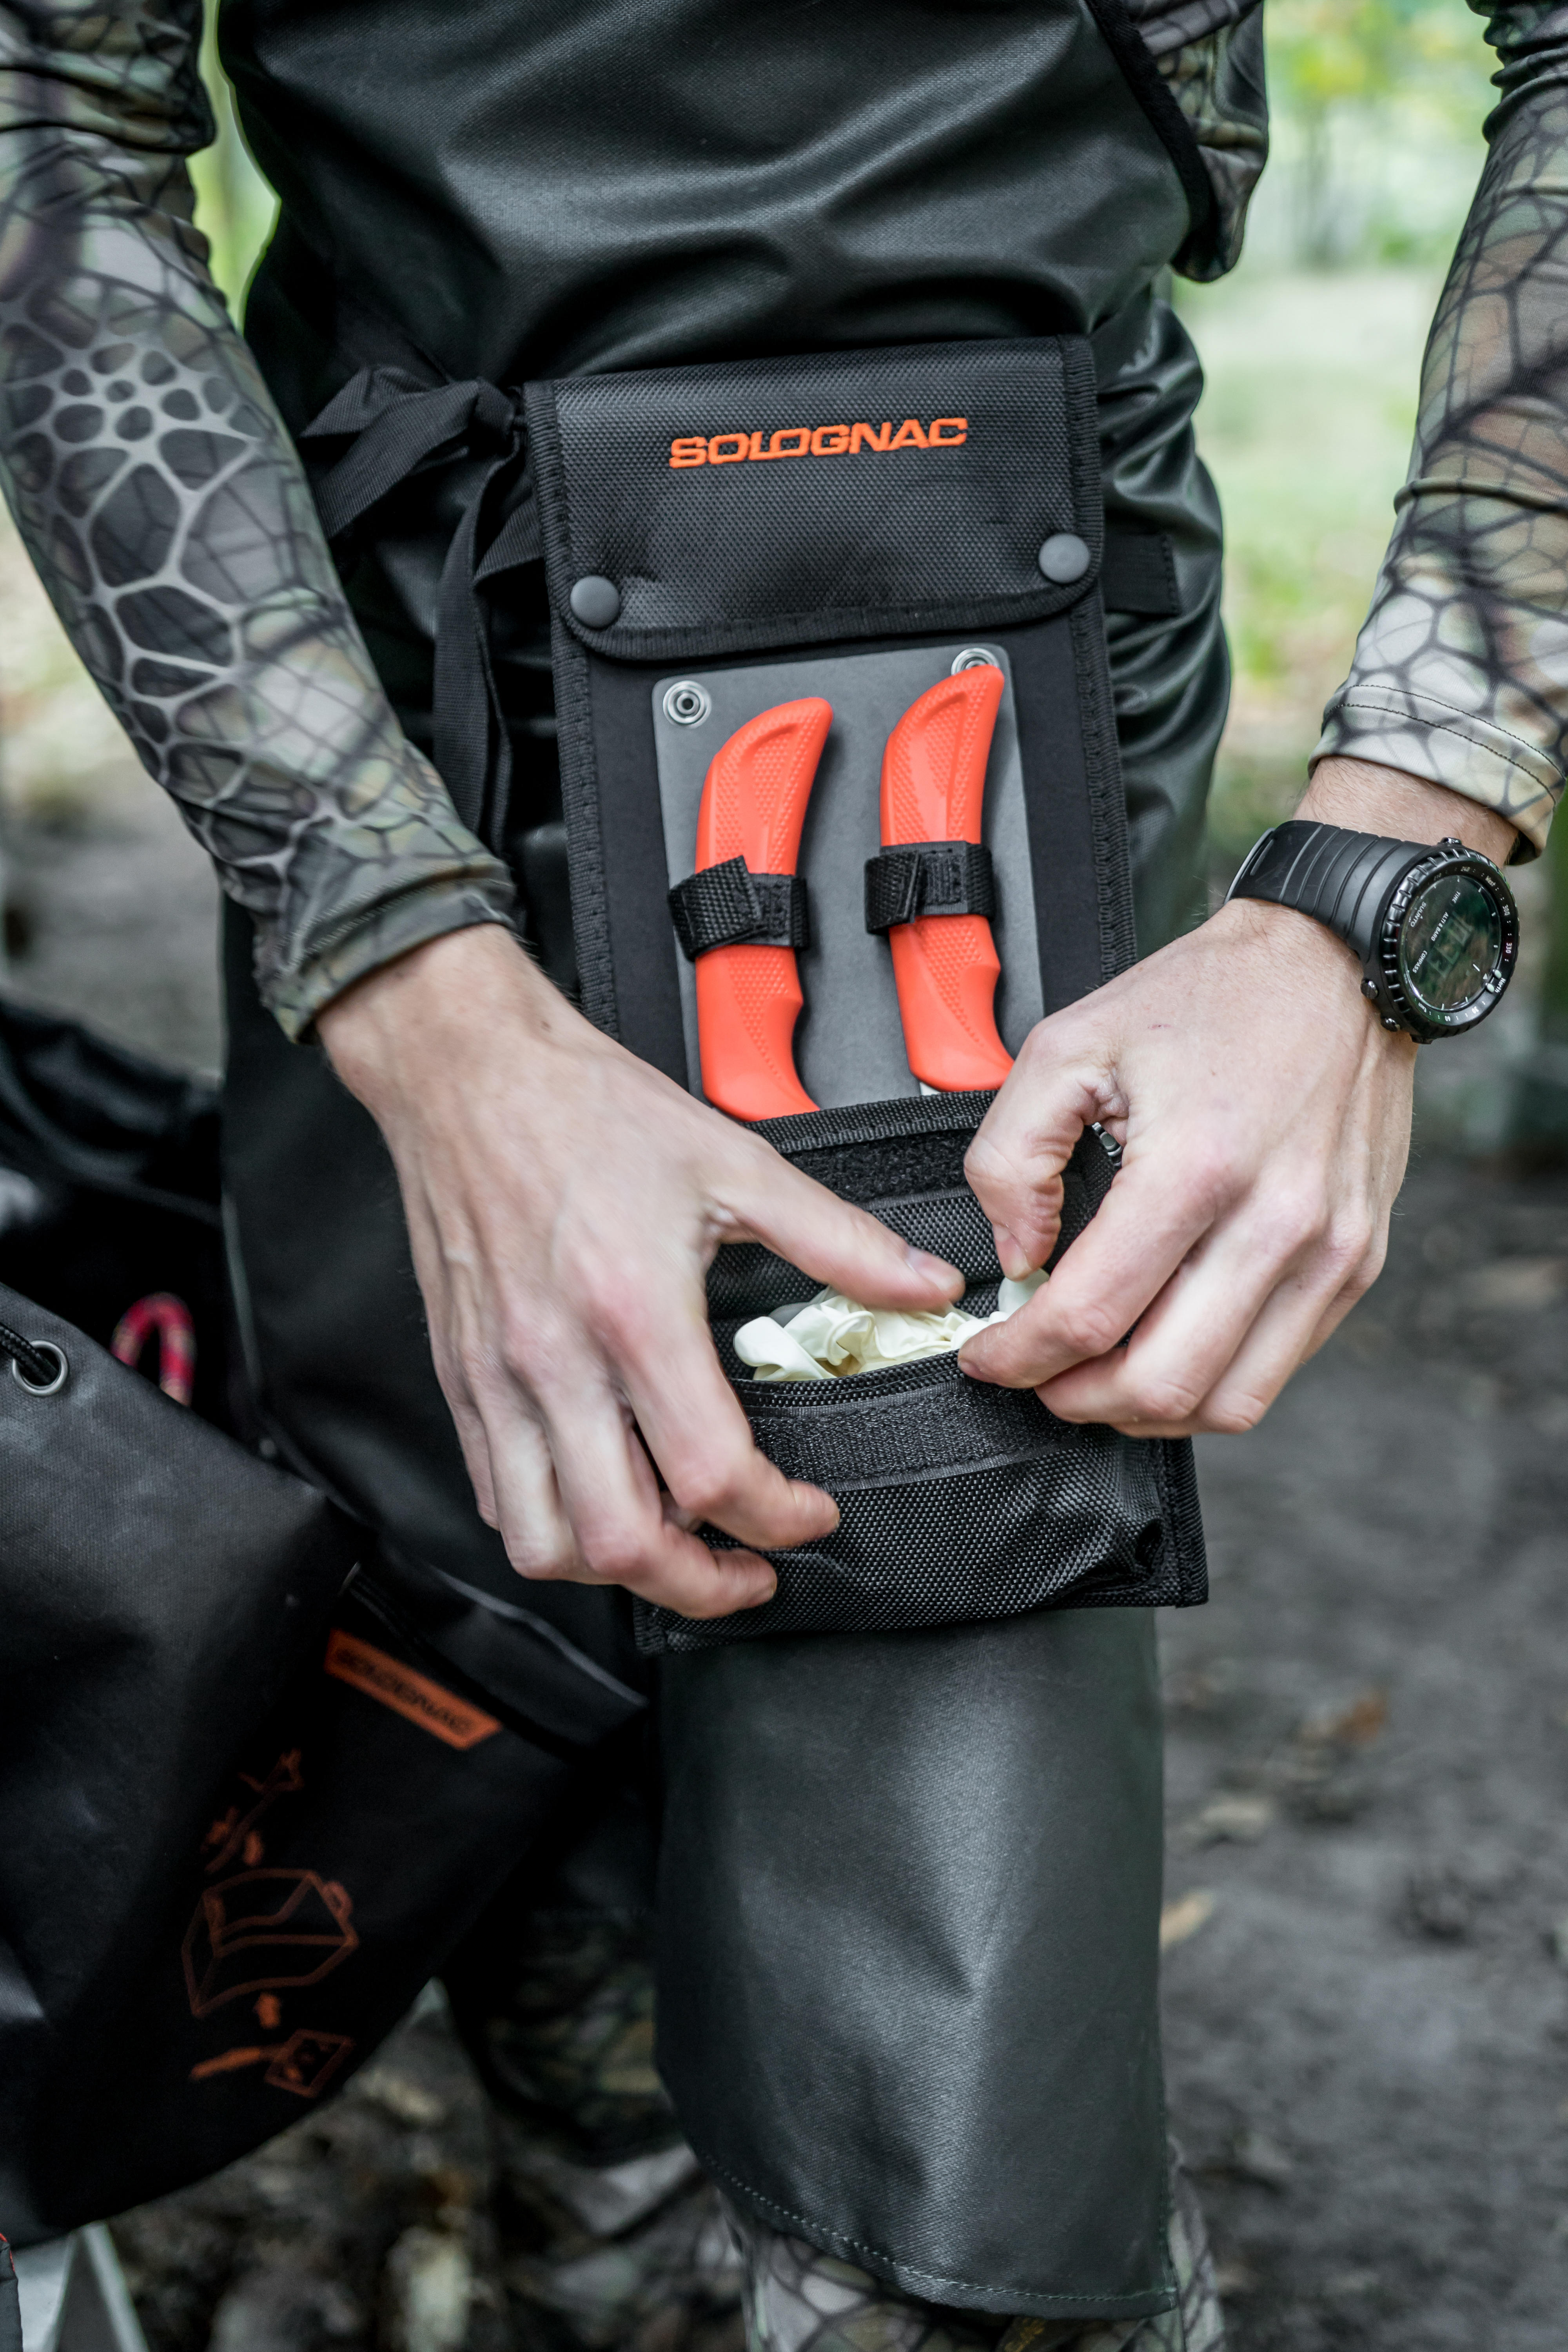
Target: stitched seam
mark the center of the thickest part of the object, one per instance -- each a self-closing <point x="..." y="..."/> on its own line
<point x="1141" y="71"/>
<point x="1414" y="718"/>
<point x="1102" y="776"/>
<point x="1145" y="2297"/>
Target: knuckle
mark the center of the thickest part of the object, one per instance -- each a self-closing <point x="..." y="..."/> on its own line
<point x="1358" y="1280"/>
<point x="517" y="1348"/>
<point x="1234" y="1416"/>
<point x="1087" y="1327"/>
<point x="605" y="1298"/>
<point x="710" y="1490"/>
<point x="1294" y="1221"/>
<point x="1164" y="1400"/>
<point x="540" y="1555"/>
<point x="983" y="1163"/>
<point x="618" y="1555"/>
<point x="1213" y="1174"/>
<point x="1351" y="1251"/>
<point x="529" y="1354"/>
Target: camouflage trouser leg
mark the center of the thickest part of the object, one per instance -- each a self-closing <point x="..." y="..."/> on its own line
<point x="612" y="2237"/>
<point x="799" y="2300"/>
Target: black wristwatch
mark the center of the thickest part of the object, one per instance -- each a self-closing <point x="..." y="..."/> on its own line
<point x="1436" y="928"/>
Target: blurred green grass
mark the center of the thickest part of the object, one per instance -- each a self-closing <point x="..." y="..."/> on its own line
<point x="1311" y="350"/>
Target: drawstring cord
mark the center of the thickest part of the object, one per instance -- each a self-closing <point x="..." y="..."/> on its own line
<point x="37" y="1368"/>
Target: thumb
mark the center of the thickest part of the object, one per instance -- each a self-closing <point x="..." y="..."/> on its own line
<point x="1021" y="1146"/>
<point x="837" y="1243"/>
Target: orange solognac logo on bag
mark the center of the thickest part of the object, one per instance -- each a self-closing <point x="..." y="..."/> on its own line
<point x="817" y="441"/>
<point x="414" y="1697"/>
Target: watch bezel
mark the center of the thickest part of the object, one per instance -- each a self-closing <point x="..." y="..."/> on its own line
<point x="1448" y="857"/>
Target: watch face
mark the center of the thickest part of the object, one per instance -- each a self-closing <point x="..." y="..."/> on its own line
<point x="1450" y="946"/>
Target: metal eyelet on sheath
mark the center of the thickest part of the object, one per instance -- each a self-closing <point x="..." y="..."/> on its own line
<point x="44" y="1388"/>
<point x="973" y="657"/>
<point x="687" y="704"/>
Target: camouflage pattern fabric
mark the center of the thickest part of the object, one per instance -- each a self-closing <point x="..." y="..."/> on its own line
<point x="800" y="2300"/>
<point x="161" y="500"/>
<point x="609" y="2233"/>
<point x="567" y="2050"/>
<point x="1461" y="671"/>
<point x="1210" y="54"/>
<point x="635" y="2255"/>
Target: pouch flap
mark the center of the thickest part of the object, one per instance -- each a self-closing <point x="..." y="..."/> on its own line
<point x="840" y="496"/>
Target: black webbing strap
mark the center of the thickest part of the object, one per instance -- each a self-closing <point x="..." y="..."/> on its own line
<point x="396" y="427"/>
<point x="929" y="878"/>
<point x="728" y="905"/>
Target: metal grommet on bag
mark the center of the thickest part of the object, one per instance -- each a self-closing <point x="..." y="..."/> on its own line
<point x="1063" y="558"/>
<point x="52" y="1386"/>
<point x="973" y="657"/>
<point x="687" y="704"/>
<point x="596" y="601"/>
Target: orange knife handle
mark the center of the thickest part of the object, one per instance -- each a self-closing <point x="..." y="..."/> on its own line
<point x="945" y="967"/>
<point x="748" y="994"/>
<point x="747" y="1002"/>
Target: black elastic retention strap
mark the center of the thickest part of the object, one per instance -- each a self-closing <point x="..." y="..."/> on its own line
<point x="929" y="878"/>
<point x="728" y="905"/>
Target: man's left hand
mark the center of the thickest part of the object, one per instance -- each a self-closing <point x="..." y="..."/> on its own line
<point x="1263" y="1115"/>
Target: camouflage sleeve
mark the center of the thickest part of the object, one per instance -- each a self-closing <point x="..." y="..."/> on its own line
<point x="1461" y="671"/>
<point x="163" y="504"/>
<point x="1210" y="56"/>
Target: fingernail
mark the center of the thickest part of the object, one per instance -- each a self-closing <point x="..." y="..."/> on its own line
<point x="1011" y="1255"/>
<point x="930" y="1269"/>
<point x="764" y="1589"/>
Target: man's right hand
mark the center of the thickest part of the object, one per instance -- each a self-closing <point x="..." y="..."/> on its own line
<point x="564" y="1202"/>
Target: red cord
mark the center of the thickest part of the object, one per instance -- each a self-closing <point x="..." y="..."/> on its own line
<point x="171" y="1318"/>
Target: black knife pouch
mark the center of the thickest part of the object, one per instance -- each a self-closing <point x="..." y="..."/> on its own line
<point x="743" y="545"/>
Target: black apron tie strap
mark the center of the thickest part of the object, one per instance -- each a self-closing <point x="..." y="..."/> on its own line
<point x="398" y="428"/>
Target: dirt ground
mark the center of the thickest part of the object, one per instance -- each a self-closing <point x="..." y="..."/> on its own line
<point x="1367" y="1994"/>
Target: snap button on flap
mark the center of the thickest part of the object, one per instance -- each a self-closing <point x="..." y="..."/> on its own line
<point x="596" y="601"/>
<point x="1063" y="559"/>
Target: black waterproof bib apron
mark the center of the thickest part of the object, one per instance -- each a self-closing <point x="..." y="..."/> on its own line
<point x="878" y="2029"/>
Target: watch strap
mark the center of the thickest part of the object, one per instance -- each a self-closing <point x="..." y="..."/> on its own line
<point x="1343" y="879"/>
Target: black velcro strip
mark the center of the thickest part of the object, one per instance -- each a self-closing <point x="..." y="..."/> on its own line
<point x="728" y="905"/>
<point x="1138" y="573"/>
<point x="929" y="878"/>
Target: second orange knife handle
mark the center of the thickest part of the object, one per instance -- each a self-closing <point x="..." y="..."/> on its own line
<point x="748" y="996"/>
<point x="945" y="966"/>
